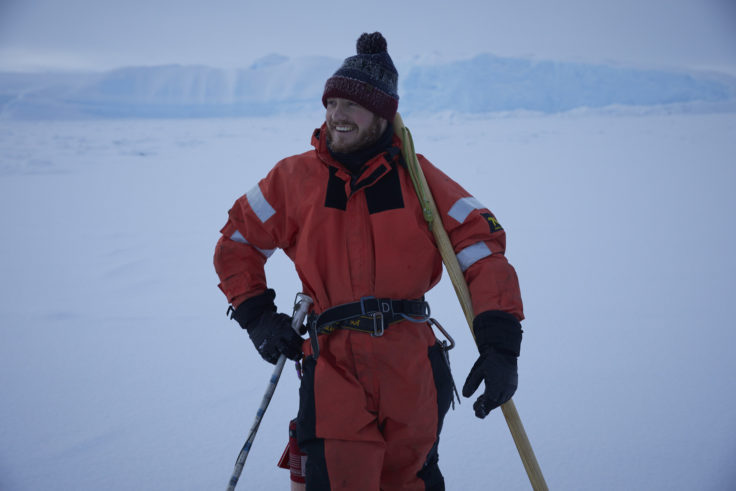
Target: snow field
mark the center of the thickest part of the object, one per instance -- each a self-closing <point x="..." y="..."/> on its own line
<point x="119" y="369"/>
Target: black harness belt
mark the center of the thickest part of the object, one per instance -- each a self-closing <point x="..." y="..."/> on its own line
<point x="370" y="315"/>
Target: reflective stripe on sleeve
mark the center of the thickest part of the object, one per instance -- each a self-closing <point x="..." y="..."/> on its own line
<point x="258" y="203"/>
<point x="462" y="208"/>
<point x="238" y="237"/>
<point x="471" y="254"/>
<point x="265" y="252"/>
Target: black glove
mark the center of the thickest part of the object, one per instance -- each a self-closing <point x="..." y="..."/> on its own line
<point x="498" y="336"/>
<point x="270" y="331"/>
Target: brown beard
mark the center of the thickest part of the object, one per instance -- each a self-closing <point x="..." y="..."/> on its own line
<point x="372" y="134"/>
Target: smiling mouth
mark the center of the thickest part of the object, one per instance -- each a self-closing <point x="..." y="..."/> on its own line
<point x="343" y="128"/>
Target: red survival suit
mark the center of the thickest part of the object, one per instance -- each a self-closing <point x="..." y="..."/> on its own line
<point x="371" y="408"/>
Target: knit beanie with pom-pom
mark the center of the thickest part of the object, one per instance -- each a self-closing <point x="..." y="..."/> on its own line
<point x="368" y="78"/>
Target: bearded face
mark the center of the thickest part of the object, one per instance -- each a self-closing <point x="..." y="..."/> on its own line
<point x="350" y="126"/>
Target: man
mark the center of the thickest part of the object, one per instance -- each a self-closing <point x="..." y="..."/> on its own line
<point x="375" y="387"/>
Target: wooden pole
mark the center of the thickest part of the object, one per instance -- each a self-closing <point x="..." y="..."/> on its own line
<point x="432" y="216"/>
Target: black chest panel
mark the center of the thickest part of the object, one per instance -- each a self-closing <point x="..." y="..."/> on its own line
<point x="382" y="190"/>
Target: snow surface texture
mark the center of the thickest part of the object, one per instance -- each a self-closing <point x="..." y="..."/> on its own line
<point x="119" y="369"/>
<point x="277" y="85"/>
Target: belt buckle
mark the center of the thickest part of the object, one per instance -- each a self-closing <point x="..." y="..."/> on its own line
<point x="375" y="315"/>
<point x="377" y="324"/>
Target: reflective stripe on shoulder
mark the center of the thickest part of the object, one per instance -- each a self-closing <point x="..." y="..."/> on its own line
<point x="258" y="203"/>
<point x="238" y="237"/>
<point x="462" y="208"/>
<point x="472" y="254"/>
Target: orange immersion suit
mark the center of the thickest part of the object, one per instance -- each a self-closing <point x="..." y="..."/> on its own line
<point x="371" y="407"/>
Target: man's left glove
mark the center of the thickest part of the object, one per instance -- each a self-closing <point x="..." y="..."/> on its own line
<point x="498" y="336"/>
<point x="269" y="330"/>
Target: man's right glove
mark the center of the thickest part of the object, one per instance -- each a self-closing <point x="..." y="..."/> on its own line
<point x="498" y="336"/>
<point x="270" y="331"/>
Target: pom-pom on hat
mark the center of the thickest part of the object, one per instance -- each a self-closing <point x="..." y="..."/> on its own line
<point x="368" y="78"/>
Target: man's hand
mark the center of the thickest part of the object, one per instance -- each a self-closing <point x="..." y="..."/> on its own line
<point x="501" y="378"/>
<point x="270" y="331"/>
<point x="273" y="336"/>
<point x="498" y="336"/>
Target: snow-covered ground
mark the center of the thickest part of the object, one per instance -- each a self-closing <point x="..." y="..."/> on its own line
<point x="119" y="369"/>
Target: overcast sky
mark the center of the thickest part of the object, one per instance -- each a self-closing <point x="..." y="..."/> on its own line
<point x="103" y="34"/>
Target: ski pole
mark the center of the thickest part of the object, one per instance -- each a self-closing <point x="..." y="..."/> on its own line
<point x="429" y="210"/>
<point x="301" y="306"/>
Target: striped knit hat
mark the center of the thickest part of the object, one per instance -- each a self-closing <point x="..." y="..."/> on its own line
<point x="368" y="78"/>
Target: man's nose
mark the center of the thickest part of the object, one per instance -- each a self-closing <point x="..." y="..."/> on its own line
<point x="336" y="115"/>
<point x="338" y="112"/>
